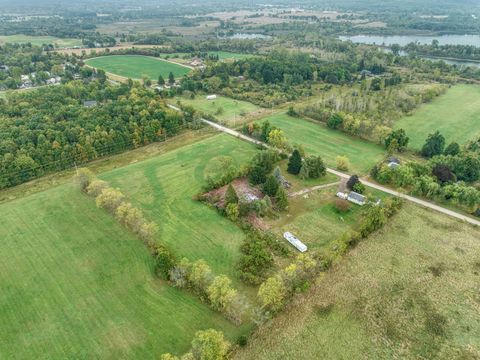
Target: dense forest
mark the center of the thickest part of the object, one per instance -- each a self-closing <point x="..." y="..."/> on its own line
<point x="53" y="128"/>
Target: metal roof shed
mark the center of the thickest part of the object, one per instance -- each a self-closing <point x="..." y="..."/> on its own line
<point x="295" y="242"/>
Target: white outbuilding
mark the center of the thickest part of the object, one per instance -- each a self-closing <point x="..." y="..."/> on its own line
<point x="211" y="97"/>
<point x="295" y="242"/>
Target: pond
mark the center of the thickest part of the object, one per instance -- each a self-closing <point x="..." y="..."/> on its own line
<point x="403" y="40"/>
<point x="247" y="36"/>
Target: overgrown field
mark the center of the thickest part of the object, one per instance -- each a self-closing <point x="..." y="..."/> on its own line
<point x="410" y="291"/>
<point x="229" y="111"/>
<point x="164" y="186"/>
<point x="136" y="66"/>
<point x="40" y="40"/>
<point x="320" y="140"/>
<point x="75" y="284"/>
<point x="455" y="114"/>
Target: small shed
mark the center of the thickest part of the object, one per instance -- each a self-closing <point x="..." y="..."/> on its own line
<point x="295" y="242"/>
<point x="357" y="198"/>
<point x="211" y="97"/>
<point x="89" y="103"/>
<point x="342" y="195"/>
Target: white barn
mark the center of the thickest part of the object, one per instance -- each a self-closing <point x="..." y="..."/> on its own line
<point x="295" y="242"/>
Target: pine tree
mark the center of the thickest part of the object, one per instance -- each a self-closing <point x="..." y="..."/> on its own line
<point x="231" y="196"/>
<point x="271" y="186"/>
<point x="295" y="163"/>
<point x="257" y="175"/>
<point x="161" y="80"/>
<point x="281" y="199"/>
<point x="171" y="78"/>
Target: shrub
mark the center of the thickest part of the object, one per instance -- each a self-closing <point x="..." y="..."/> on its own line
<point x="295" y="163"/>
<point x="84" y="178"/>
<point x="164" y="261"/>
<point x="452" y="149"/>
<point x="109" y="199"/>
<point x="256" y="259"/>
<point x="271" y="186"/>
<point x="434" y="145"/>
<point x="342" y="205"/>
<point x="335" y="121"/>
<point x="359" y="188"/>
<point x="257" y="175"/>
<point x="231" y="196"/>
<point x="343" y="164"/>
<point x="242" y="340"/>
<point x="232" y="211"/>
<point x="315" y="166"/>
<point x="352" y="181"/>
<point x="281" y="199"/>
<point x="96" y="187"/>
<point x="443" y="173"/>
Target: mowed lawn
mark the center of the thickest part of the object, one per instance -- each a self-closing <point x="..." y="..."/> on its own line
<point x="76" y="285"/>
<point x="40" y="40"/>
<point x="455" y="114"/>
<point x="229" y="111"/>
<point x="320" y="140"/>
<point x="164" y="188"/>
<point x="409" y="291"/>
<point x="136" y="66"/>
<point x="314" y="219"/>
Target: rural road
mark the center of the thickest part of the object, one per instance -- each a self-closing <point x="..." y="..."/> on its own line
<point x="412" y="199"/>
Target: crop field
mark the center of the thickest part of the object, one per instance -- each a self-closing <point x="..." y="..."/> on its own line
<point x="75" y="284"/>
<point x="136" y="66"/>
<point x="455" y="114"/>
<point x="320" y="140"/>
<point x="164" y="186"/>
<point x="40" y="40"/>
<point x="409" y="291"/>
<point x="229" y="111"/>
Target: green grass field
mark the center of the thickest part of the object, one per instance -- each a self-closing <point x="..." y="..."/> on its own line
<point x="408" y="292"/>
<point x="77" y="285"/>
<point x="164" y="186"/>
<point x="320" y="140"/>
<point x="225" y="55"/>
<point x="455" y="114"/>
<point x="135" y="66"/>
<point x="40" y="40"/>
<point x="229" y="111"/>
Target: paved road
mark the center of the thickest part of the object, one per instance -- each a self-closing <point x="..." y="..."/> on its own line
<point x="413" y="199"/>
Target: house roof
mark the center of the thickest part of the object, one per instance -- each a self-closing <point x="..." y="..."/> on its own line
<point x="89" y="103"/>
<point x="356" y="196"/>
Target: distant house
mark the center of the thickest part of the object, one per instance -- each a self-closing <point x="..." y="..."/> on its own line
<point x="196" y="62"/>
<point x="393" y="162"/>
<point x="357" y="198"/>
<point x="53" y="80"/>
<point x="295" y="242"/>
<point x="90" y="103"/>
<point x="211" y="97"/>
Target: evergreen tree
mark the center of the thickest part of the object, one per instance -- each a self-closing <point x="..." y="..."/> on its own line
<point x="171" y="78"/>
<point x="257" y="175"/>
<point x="161" y="80"/>
<point x="281" y="199"/>
<point x="231" y="196"/>
<point x="271" y="186"/>
<point x="295" y="163"/>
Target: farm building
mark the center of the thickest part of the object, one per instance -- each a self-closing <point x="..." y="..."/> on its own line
<point x="196" y="62"/>
<point x="211" y="97"/>
<point x="295" y="242"/>
<point x="393" y="162"/>
<point x="342" y="195"/>
<point x="357" y="198"/>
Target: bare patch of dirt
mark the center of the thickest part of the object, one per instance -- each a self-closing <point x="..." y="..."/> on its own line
<point x="242" y="188"/>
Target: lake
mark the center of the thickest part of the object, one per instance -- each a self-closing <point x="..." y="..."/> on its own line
<point x="247" y="36"/>
<point x="403" y="40"/>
